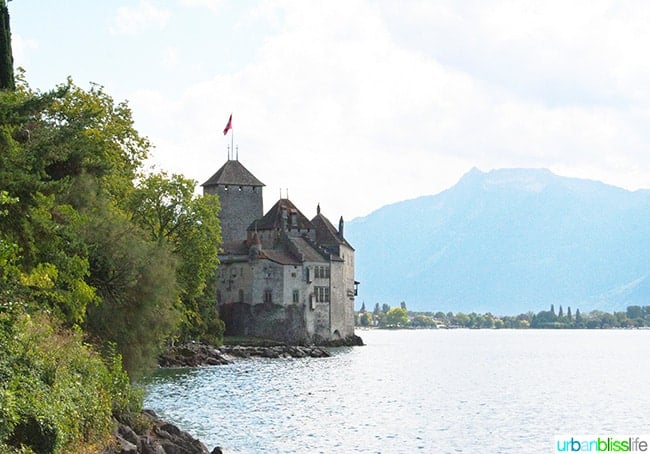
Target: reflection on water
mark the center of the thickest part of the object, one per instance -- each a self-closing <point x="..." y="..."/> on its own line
<point x="418" y="391"/>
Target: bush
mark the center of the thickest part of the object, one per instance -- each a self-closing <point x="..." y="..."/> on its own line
<point x="56" y="393"/>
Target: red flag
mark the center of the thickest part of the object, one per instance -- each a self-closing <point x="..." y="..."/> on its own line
<point x="228" y="126"/>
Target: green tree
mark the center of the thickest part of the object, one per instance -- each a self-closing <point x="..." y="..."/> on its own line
<point x="166" y="208"/>
<point x="396" y="317"/>
<point x="6" y="56"/>
<point x="461" y="319"/>
<point x="634" y="312"/>
<point x="423" y="321"/>
<point x="136" y="281"/>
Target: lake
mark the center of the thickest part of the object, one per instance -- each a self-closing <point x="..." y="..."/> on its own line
<point x="442" y="391"/>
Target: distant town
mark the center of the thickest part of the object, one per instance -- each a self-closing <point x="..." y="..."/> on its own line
<point x="385" y="316"/>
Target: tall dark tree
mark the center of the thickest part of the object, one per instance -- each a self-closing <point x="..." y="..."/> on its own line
<point x="6" y="56"/>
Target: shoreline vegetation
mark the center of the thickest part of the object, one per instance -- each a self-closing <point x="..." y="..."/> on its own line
<point x="389" y="317"/>
<point x="103" y="262"/>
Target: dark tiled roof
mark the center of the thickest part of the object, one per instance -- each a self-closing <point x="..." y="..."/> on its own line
<point x="273" y="218"/>
<point x="308" y="251"/>
<point x="326" y="233"/>
<point x="280" y="256"/>
<point x="233" y="172"/>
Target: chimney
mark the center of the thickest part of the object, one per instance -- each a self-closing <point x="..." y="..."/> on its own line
<point x="341" y="227"/>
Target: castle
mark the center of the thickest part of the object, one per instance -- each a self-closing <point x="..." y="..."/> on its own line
<point x="282" y="276"/>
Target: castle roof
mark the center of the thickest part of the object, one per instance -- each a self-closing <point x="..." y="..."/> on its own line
<point x="326" y="233"/>
<point x="234" y="173"/>
<point x="273" y="219"/>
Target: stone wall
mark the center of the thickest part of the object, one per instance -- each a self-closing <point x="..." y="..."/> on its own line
<point x="240" y="206"/>
<point x="285" y="323"/>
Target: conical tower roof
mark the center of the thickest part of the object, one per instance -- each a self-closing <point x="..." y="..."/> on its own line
<point x="233" y="173"/>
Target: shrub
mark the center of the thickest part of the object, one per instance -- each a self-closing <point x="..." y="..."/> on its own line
<point x="56" y="394"/>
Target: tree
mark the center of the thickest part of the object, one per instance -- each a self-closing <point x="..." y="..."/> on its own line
<point x="634" y="312"/>
<point x="396" y="317"/>
<point x="166" y="208"/>
<point x="461" y="319"/>
<point x="136" y="281"/>
<point x="6" y="55"/>
<point x="423" y="321"/>
<point x="363" y="308"/>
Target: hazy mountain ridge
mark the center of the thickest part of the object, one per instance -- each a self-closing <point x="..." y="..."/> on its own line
<point x="508" y="241"/>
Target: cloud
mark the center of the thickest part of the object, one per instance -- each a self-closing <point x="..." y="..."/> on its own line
<point x="136" y="20"/>
<point x="344" y="107"/>
<point x="213" y="5"/>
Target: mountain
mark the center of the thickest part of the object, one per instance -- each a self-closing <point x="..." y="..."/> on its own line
<point x="507" y="241"/>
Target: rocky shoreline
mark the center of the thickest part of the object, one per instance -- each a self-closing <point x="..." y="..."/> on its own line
<point x="195" y="354"/>
<point x="152" y="435"/>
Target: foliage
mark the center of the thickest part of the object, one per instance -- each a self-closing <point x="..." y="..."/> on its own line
<point x="397" y="316"/>
<point x="79" y="262"/>
<point x="73" y="255"/>
<point x="6" y="57"/>
<point x="633" y="317"/>
<point x="135" y="279"/>
<point x="166" y="208"/>
<point x="56" y="393"/>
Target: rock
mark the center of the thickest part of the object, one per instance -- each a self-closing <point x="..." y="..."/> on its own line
<point x="128" y="434"/>
<point x="125" y="446"/>
<point x="192" y="355"/>
<point x="161" y="437"/>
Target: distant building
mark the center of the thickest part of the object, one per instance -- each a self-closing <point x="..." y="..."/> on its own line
<point x="282" y="276"/>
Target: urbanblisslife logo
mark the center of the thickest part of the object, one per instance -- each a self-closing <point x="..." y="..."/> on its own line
<point x="610" y="443"/>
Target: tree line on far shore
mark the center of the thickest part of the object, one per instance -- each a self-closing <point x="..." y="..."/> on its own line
<point x="385" y="316"/>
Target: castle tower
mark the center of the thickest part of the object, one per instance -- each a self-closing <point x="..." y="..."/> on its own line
<point x="240" y="193"/>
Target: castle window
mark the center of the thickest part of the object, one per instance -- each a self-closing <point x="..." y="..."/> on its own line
<point x="322" y="272"/>
<point x="322" y="294"/>
<point x="296" y="296"/>
<point x="268" y="295"/>
<point x="241" y="295"/>
<point x="218" y="296"/>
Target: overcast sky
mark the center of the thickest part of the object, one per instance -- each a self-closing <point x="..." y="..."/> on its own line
<point x="358" y="104"/>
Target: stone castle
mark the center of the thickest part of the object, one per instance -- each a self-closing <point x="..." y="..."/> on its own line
<point x="282" y="276"/>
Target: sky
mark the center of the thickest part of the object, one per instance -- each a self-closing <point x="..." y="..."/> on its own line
<point x="355" y="104"/>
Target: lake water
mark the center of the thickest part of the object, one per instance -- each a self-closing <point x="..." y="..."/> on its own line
<point x="444" y="391"/>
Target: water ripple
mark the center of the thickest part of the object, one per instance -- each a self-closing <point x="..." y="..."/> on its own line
<point x="424" y="391"/>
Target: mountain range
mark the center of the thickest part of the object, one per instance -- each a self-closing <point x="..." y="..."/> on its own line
<point x="507" y="241"/>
